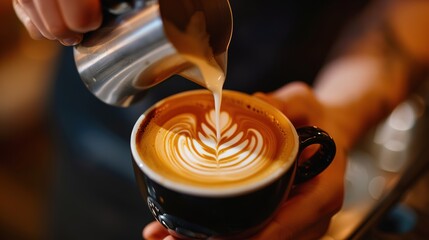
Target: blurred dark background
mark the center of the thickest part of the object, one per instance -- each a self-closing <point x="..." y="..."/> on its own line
<point x="65" y="166"/>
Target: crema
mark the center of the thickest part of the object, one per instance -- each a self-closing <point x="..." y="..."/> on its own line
<point x="179" y="141"/>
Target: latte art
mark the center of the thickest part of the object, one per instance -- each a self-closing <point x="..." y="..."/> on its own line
<point x="178" y="140"/>
<point x="192" y="149"/>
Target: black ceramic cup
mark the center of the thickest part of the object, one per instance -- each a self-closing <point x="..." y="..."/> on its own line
<point x="190" y="212"/>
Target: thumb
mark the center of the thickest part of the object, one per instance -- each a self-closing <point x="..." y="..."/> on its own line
<point x="296" y="100"/>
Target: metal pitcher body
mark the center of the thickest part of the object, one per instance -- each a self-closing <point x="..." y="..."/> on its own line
<point x="131" y="52"/>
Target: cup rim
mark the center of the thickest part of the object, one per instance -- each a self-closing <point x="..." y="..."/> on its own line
<point x="213" y="192"/>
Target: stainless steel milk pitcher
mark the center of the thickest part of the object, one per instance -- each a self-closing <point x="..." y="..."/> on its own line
<point x="131" y="52"/>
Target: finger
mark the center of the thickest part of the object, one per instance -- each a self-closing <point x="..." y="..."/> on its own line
<point x="170" y="238"/>
<point x="31" y="11"/>
<point x="267" y="98"/>
<point x="297" y="221"/>
<point x="297" y="101"/>
<point x="53" y="21"/>
<point x="81" y="15"/>
<point x="316" y="231"/>
<point x="154" y="230"/>
<point x="26" y="21"/>
<point x="276" y="231"/>
<point x="319" y="198"/>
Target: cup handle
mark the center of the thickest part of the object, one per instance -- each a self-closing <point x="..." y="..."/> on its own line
<point x="321" y="159"/>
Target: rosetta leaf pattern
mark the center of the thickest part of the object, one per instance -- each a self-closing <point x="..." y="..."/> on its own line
<point x="191" y="146"/>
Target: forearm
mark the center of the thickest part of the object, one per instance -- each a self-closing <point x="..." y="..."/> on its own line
<point x="376" y="68"/>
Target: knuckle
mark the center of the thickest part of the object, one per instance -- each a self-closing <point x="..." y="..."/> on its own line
<point x="25" y="2"/>
<point x="301" y="86"/>
<point x="89" y="18"/>
<point x="84" y="24"/>
<point x="58" y="30"/>
<point x="80" y="25"/>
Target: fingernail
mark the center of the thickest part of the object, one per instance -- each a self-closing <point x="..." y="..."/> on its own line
<point x="70" y="41"/>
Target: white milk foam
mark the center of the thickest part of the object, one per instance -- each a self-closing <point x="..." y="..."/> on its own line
<point x="240" y="152"/>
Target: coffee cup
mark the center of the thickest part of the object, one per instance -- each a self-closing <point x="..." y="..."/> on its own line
<point x="201" y="187"/>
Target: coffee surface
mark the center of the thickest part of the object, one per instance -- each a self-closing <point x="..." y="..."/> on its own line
<point x="178" y="141"/>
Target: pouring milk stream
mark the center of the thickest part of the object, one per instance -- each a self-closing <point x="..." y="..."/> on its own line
<point x="194" y="45"/>
<point x="137" y="49"/>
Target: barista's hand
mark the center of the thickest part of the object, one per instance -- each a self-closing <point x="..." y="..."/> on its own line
<point x="307" y="213"/>
<point x="62" y="20"/>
